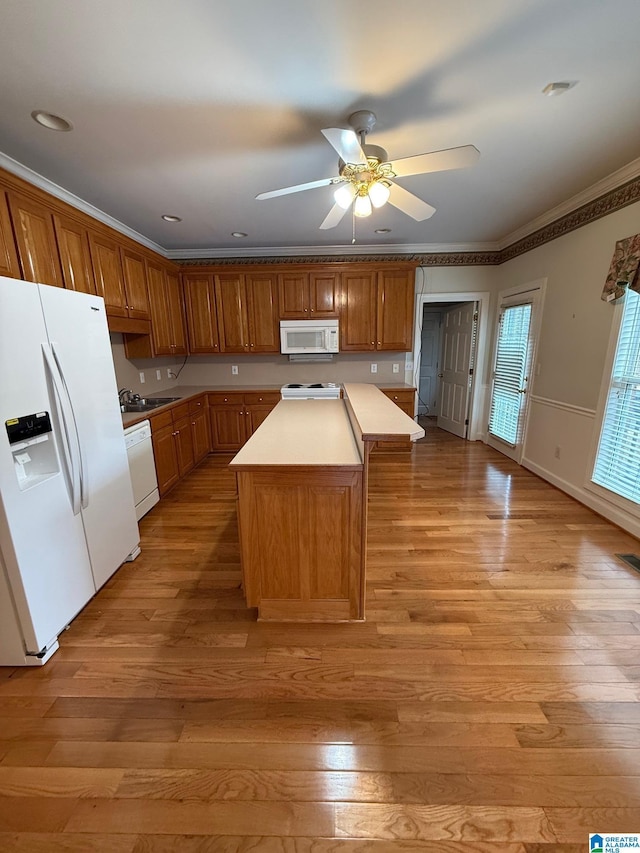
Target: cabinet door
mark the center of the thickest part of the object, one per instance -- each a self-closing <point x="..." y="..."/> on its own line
<point x="258" y="406"/>
<point x="262" y="313"/>
<point x="293" y="291"/>
<point x="200" y="435"/>
<point x="36" y="240"/>
<point x="358" y="311"/>
<point x="184" y="445"/>
<point x="232" y="313"/>
<point x="323" y="295"/>
<point x="175" y="307"/>
<point x="107" y="268"/>
<point x="166" y="458"/>
<point x="227" y="422"/>
<point x="135" y="284"/>
<point x="200" y="302"/>
<point x="75" y="257"/>
<point x="395" y="310"/>
<point x="9" y="265"/>
<point x="159" y="308"/>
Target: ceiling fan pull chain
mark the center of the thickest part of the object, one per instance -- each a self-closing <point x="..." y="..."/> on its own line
<point x="353" y="220"/>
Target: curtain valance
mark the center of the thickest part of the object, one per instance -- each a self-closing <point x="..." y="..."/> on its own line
<point x="623" y="271"/>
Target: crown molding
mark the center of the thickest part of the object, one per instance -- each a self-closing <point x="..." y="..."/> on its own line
<point x="596" y="191"/>
<point x="284" y="252"/>
<point x="59" y="192"/>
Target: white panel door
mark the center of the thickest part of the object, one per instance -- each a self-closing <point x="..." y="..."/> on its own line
<point x="429" y="355"/>
<point x="42" y="542"/>
<point x="455" y="382"/>
<point x="77" y="327"/>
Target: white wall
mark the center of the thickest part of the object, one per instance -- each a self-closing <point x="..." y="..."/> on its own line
<point x="574" y="338"/>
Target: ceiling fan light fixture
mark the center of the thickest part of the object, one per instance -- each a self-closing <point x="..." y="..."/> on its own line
<point x="379" y="193"/>
<point x="343" y="196"/>
<point x="362" y="207"/>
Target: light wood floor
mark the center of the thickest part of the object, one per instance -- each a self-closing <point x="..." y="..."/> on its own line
<point x="490" y="702"/>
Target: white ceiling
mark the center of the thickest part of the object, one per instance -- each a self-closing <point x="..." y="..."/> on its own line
<point x="193" y="107"/>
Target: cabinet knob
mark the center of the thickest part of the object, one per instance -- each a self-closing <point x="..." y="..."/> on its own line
<point x="373" y="343"/>
<point x="395" y="398"/>
<point x="312" y="310"/>
<point x="259" y="399"/>
<point x="252" y="345"/>
<point x="246" y="346"/>
<point x="193" y="423"/>
<point x="379" y="343"/>
<point x="226" y="399"/>
<point x="306" y="309"/>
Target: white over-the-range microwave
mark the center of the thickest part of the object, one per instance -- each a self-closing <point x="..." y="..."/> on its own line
<point x="309" y="336"/>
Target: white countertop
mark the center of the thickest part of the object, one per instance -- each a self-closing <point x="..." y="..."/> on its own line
<point x="377" y="416"/>
<point x="302" y="432"/>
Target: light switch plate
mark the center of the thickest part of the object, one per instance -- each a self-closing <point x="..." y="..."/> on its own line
<point x="142" y="380"/>
<point x="374" y="368"/>
<point x="234" y="369"/>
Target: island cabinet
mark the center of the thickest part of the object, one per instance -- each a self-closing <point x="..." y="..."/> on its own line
<point x="302" y="482"/>
<point x="308" y="294"/>
<point x="236" y="415"/>
<point x="300" y="508"/>
<point x="9" y="265"/>
<point x="377" y="309"/>
<point x="35" y="239"/>
<point x="247" y="311"/>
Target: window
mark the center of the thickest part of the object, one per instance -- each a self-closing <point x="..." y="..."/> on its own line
<point x="617" y="465"/>
<point x="510" y="373"/>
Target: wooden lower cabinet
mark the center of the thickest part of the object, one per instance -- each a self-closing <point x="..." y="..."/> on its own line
<point x="165" y="452"/>
<point x="301" y="542"/>
<point x="404" y="398"/>
<point x="234" y="416"/>
<point x="180" y="438"/>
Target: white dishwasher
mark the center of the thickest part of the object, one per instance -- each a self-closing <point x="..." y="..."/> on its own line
<point x="142" y="467"/>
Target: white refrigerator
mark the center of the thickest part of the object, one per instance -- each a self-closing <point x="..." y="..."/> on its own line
<point x="67" y="517"/>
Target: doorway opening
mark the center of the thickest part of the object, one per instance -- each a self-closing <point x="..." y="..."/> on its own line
<point x="449" y="346"/>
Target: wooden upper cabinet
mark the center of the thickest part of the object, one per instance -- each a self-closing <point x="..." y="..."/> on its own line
<point x="135" y="284"/>
<point x="9" y="264"/>
<point x="200" y="304"/>
<point x="261" y="299"/>
<point x="107" y="268"/>
<point x="358" y="315"/>
<point x="75" y="256"/>
<point x="232" y="313"/>
<point x="175" y="303"/>
<point x="395" y="310"/>
<point x="293" y="288"/>
<point x="167" y="311"/>
<point x="323" y="294"/>
<point x="308" y="295"/>
<point x="35" y="239"/>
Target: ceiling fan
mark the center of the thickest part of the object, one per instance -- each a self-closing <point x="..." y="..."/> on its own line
<point x="365" y="173"/>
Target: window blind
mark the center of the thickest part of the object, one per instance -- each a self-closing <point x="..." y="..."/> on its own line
<point x="617" y="465"/>
<point x="509" y="372"/>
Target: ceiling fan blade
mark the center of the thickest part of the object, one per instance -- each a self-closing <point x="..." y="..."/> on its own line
<point x="325" y="182"/>
<point x="333" y="217"/>
<point x="436" y="161"/>
<point x="409" y="203"/>
<point x="346" y="144"/>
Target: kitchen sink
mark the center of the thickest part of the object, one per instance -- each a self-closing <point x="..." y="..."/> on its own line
<point x="146" y="404"/>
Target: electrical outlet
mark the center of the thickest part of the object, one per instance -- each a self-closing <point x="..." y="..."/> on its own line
<point x="374" y="368"/>
<point x="396" y="367"/>
<point x="408" y="365"/>
<point x="557" y="451"/>
<point x="158" y="375"/>
<point x="234" y="369"/>
<point x="169" y="373"/>
<point x="141" y="377"/>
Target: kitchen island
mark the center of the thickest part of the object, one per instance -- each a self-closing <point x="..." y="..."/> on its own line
<point x="302" y="503"/>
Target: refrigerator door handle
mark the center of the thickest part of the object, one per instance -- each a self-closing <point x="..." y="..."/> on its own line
<point x="68" y="440"/>
<point x="83" y="468"/>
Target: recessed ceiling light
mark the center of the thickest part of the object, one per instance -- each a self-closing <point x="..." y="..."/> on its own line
<point x="238" y="234"/>
<point x="383" y="230"/>
<point x="558" y="88"/>
<point x="168" y="218"/>
<point x="51" y="121"/>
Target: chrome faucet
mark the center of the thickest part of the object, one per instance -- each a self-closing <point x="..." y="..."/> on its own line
<point x="121" y="395"/>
